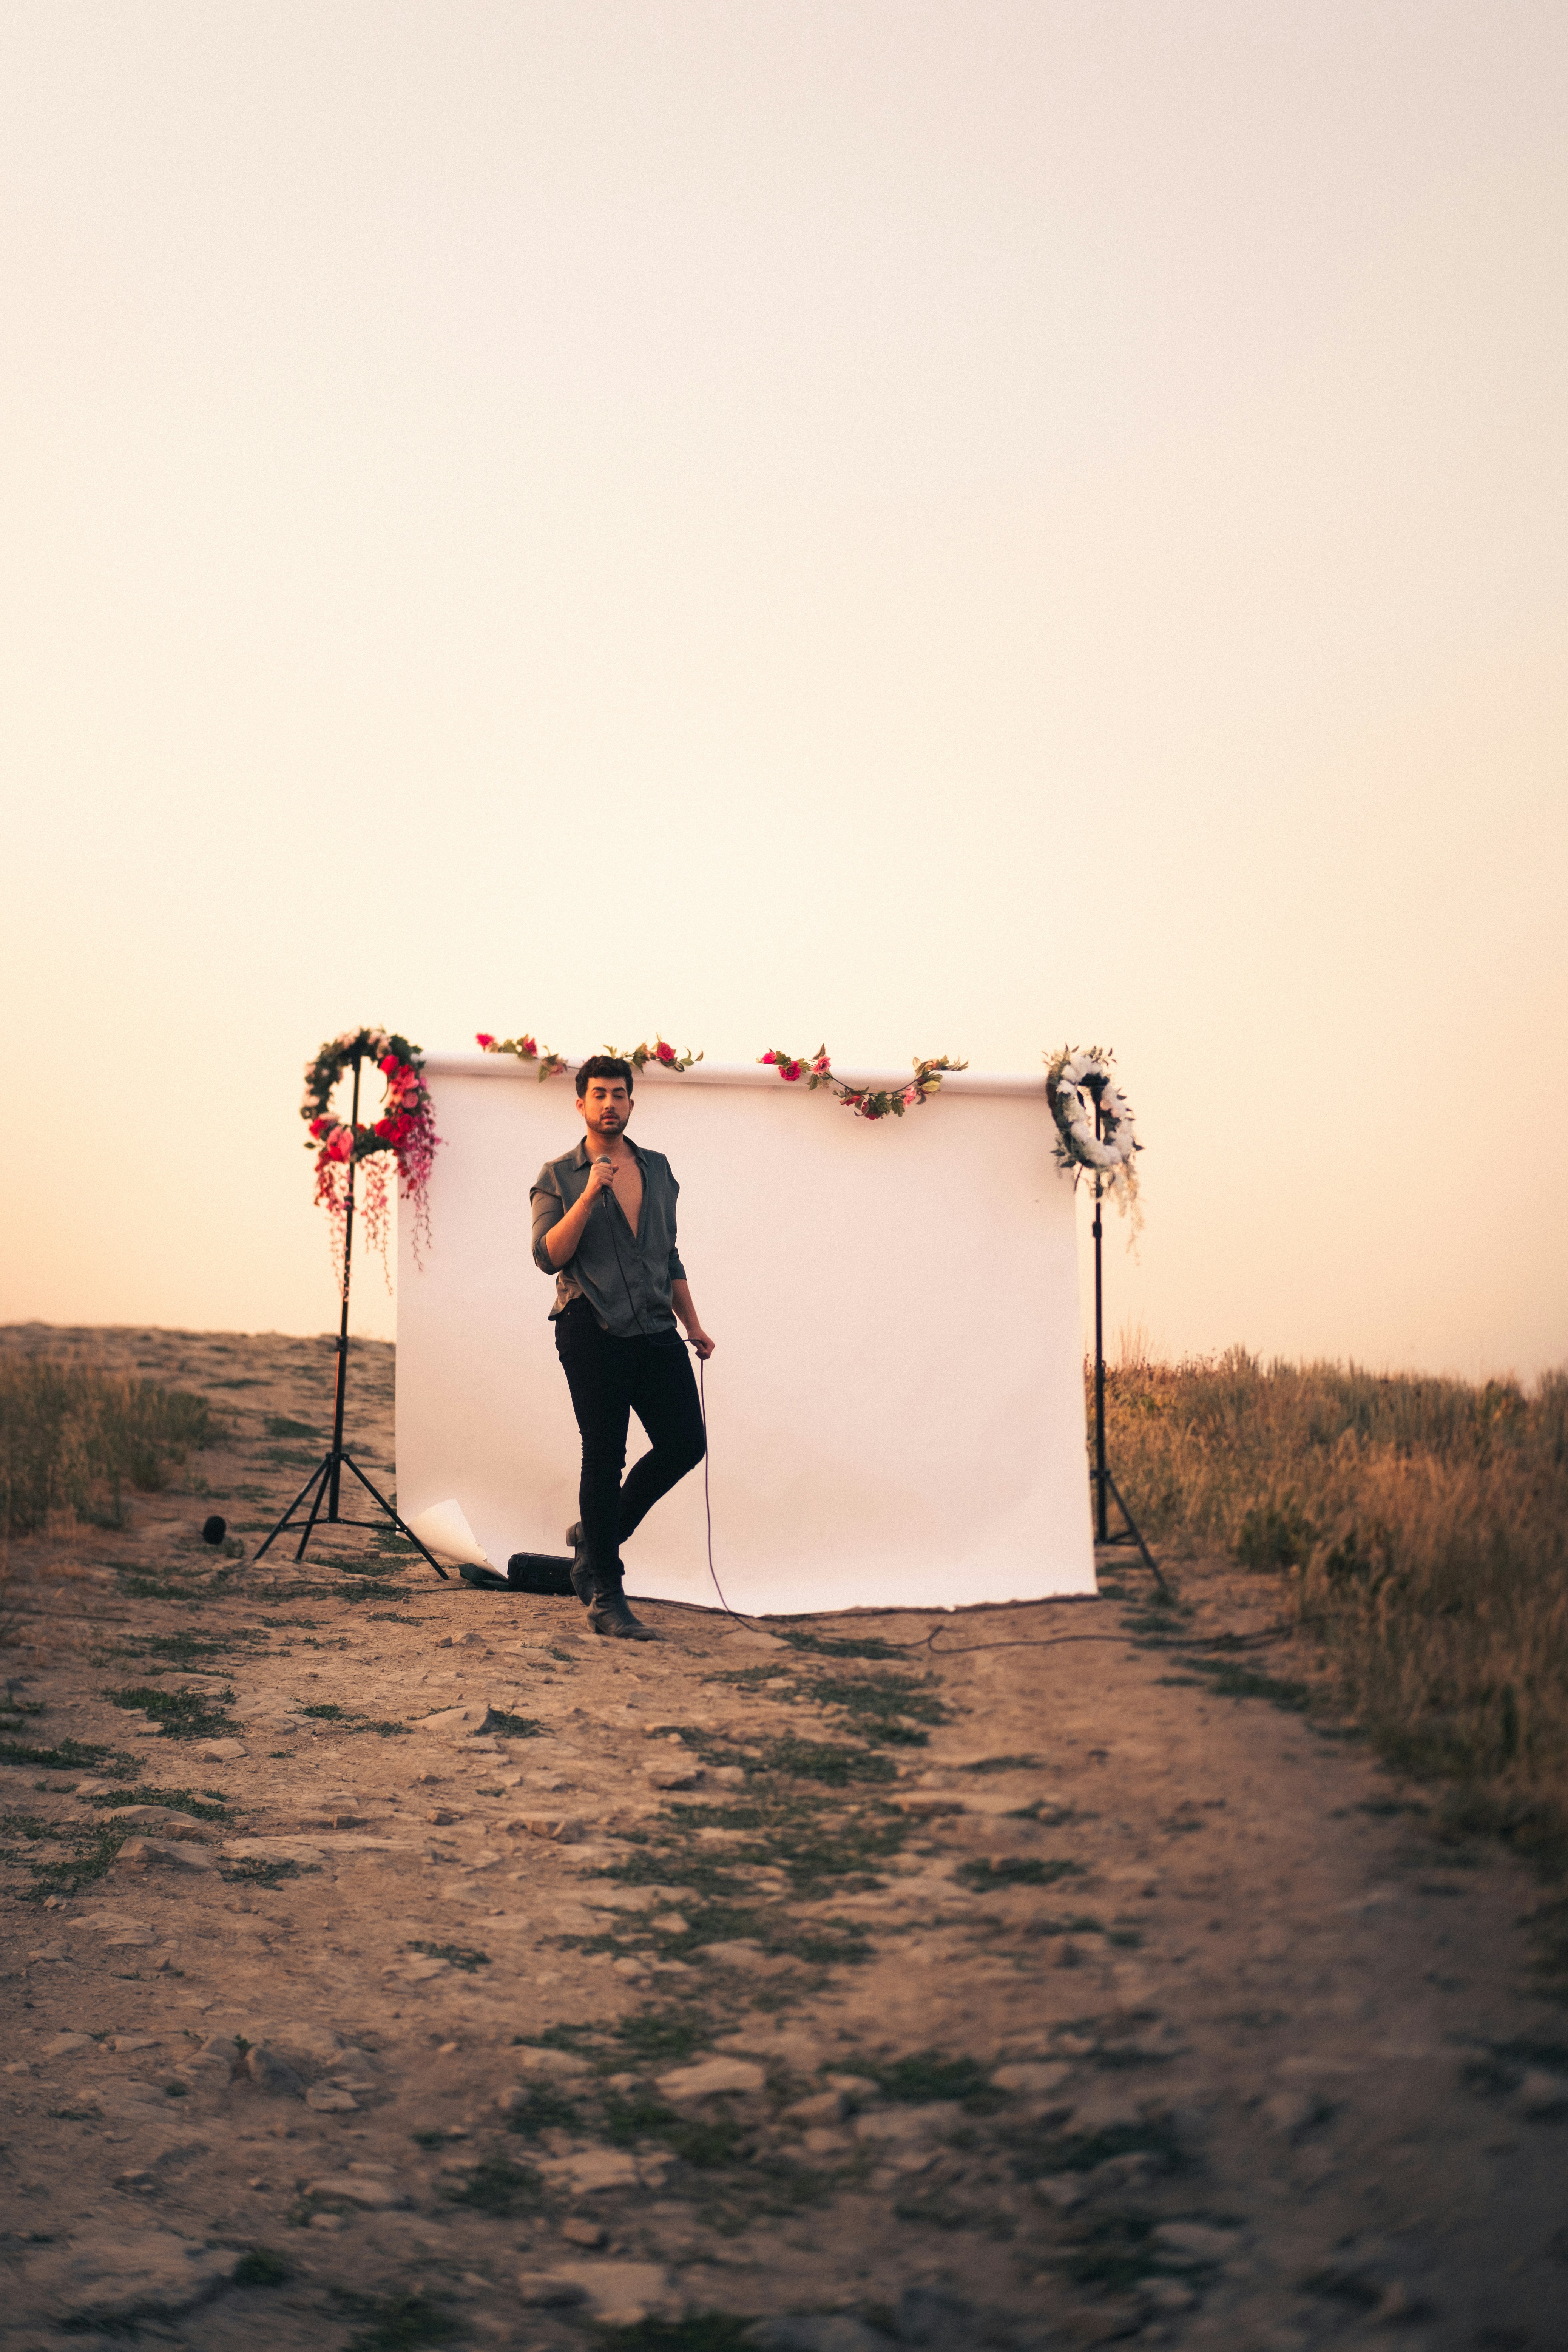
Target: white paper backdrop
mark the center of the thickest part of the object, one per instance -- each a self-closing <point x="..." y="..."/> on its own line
<point x="895" y="1408"/>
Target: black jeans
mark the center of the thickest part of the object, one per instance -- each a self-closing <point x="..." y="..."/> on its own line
<point x="611" y="1379"/>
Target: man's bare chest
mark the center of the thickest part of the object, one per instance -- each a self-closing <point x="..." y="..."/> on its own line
<point x="628" y="1191"/>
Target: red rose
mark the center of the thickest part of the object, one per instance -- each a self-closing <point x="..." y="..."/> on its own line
<point x="770" y="1057"/>
<point x="791" y="1070"/>
<point x="666" y="1053"/>
<point x="529" y="1048"/>
<point x="483" y="1040"/>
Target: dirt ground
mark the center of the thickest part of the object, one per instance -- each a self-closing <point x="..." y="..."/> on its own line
<point x="1024" y="1977"/>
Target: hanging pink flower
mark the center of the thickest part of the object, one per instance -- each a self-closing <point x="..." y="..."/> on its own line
<point x="913" y="1095"/>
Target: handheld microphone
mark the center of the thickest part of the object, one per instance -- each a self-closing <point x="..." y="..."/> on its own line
<point x="603" y="1161"/>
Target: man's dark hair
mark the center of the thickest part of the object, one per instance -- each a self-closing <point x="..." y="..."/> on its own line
<point x="603" y="1066"/>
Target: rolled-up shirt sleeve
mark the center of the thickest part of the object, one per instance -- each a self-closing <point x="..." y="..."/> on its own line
<point x="549" y="1208"/>
<point x="677" y="1271"/>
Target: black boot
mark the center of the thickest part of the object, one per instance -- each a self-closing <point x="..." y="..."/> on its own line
<point x="608" y="1613"/>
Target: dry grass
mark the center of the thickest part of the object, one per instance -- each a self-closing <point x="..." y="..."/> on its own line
<point x="75" y="1440"/>
<point x="1421" y="1529"/>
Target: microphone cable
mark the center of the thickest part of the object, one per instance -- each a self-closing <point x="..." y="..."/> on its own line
<point x="702" y="1408"/>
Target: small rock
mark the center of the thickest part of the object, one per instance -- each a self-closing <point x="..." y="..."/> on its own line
<point x="670" y="1923"/>
<point x="1196" y="2242"/>
<point x="108" y="2276"/>
<point x="580" y="2232"/>
<point x="60" y="2045"/>
<point x="1540" y="2097"/>
<point x="742" y="1953"/>
<point x="1107" y="2106"/>
<point x="369" y="2193"/>
<point x="1166" y="2294"/>
<point x="51" y="1953"/>
<point x="621" y="2295"/>
<point x="270" y="2073"/>
<point x="885" y="2124"/>
<point x="1062" y="2191"/>
<point x="712" y="2075"/>
<point x="442" y="1817"/>
<point x="1288" y="2113"/>
<point x="326" y="2100"/>
<point x="458" y="1722"/>
<point x="542" y="2290"/>
<point x="822" y="2140"/>
<point x="1028" y="2077"/>
<point x="675" y="1776"/>
<point x="222" y="1751"/>
<point x="1136" y="2170"/>
<point x="549" y="2061"/>
<point x="307" y="2045"/>
<point x="591" y="2170"/>
<point x="564" y="1828"/>
<point x="326" y="2221"/>
<point x="821" y="2107"/>
<point x="133" y="1938"/>
<point x="164" y="1821"/>
<point x="123" y="2042"/>
<point x="161" y="1853"/>
<point x="815" y="2332"/>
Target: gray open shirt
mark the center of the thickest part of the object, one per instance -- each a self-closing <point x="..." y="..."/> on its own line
<point x="628" y="1293"/>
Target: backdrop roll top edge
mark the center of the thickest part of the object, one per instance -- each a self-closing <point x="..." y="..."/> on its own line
<point x="742" y="1074"/>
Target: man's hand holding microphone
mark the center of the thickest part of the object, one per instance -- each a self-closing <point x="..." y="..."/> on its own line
<point x="561" y="1242"/>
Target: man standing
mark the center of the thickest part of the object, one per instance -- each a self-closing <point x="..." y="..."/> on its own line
<point x="604" y="1225"/>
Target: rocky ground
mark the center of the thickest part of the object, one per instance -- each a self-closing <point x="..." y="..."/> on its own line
<point x="390" y="1964"/>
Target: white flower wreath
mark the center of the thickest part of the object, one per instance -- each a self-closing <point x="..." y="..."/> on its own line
<point x="1079" y="1082"/>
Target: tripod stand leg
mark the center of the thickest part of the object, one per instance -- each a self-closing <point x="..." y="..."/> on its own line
<point x="322" y="1491"/>
<point x="319" y="1472"/>
<point x="401" y="1525"/>
<point x="1149" y="1562"/>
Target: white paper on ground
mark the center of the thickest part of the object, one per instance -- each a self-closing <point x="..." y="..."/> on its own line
<point x="444" y="1530"/>
<point x="896" y="1411"/>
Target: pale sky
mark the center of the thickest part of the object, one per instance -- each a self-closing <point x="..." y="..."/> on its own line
<point x="931" y="528"/>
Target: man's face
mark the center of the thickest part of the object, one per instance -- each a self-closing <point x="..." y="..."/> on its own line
<point x="607" y="1106"/>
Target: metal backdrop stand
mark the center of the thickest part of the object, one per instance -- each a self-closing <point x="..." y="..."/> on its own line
<point x="327" y="1476"/>
<point x="1104" y="1484"/>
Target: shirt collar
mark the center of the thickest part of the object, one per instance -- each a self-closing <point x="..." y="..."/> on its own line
<point x="580" y="1157"/>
